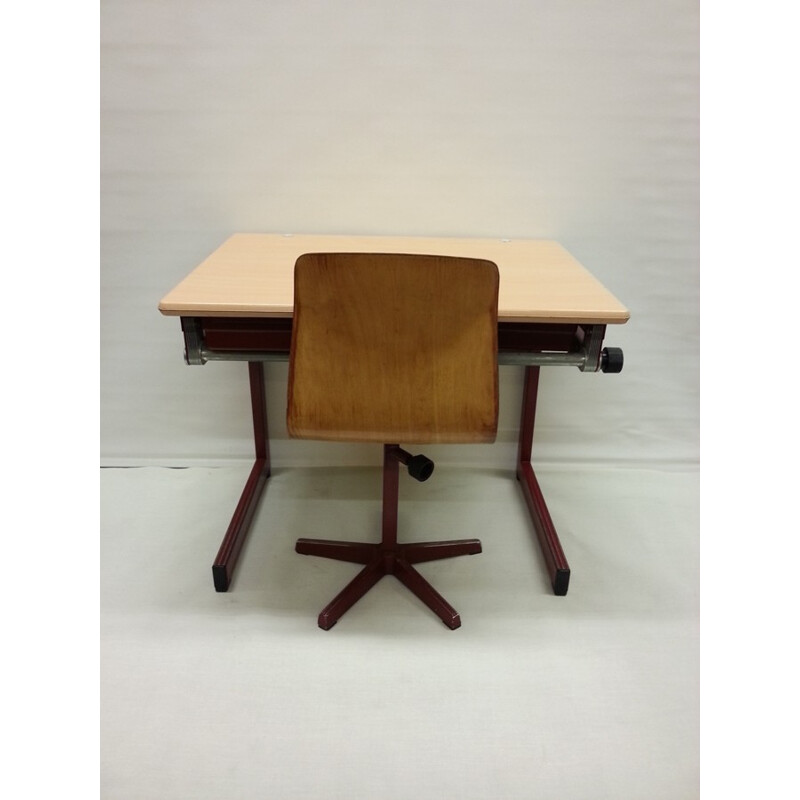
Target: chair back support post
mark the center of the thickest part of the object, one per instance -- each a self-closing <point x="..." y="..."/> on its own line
<point x="391" y="492"/>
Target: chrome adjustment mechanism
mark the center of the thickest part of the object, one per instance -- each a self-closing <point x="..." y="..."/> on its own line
<point x="193" y="353"/>
<point x="590" y="358"/>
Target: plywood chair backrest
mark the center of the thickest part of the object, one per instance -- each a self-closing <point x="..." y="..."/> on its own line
<point x="393" y="348"/>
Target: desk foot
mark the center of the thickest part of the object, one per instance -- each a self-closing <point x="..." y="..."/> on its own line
<point x="222" y="569"/>
<point x="555" y="560"/>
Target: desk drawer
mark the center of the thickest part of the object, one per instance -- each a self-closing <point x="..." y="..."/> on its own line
<point x="274" y="334"/>
<point x="265" y="334"/>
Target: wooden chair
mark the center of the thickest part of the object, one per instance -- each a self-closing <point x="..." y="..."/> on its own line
<point x="393" y="348"/>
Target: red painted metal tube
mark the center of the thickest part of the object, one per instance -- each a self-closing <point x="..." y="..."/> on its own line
<point x="555" y="560"/>
<point x="225" y="562"/>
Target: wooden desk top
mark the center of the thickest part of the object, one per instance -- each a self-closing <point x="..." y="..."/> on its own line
<point x="252" y="275"/>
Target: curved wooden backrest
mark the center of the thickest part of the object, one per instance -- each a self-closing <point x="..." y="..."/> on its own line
<point x="393" y="348"/>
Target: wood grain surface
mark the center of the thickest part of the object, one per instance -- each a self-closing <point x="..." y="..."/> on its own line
<point x="394" y="348"/>
<point x="251" y="275"/>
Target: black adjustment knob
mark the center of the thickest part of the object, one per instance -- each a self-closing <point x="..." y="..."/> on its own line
<point x="611" y="359"/>
<point x="420" y="467"/>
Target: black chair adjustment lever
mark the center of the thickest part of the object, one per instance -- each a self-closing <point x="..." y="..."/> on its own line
<point x="420" y="467"/>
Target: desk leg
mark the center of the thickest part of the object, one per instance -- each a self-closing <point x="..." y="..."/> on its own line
<point x="222" y="570"/>
<point x="554" y="557"/>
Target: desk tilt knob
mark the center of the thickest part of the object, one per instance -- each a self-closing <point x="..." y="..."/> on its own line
<point x="611" y="359"/>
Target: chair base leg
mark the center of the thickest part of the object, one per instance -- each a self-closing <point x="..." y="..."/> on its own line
<point x="382" y="559"/>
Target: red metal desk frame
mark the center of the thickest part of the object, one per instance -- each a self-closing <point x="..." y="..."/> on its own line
<point x="273" y="336"/>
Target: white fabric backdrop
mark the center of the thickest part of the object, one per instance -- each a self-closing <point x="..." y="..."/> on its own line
<point x="573" y="121"/>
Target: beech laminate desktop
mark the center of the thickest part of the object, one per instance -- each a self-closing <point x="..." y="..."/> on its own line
<point x="251" y="275"/>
